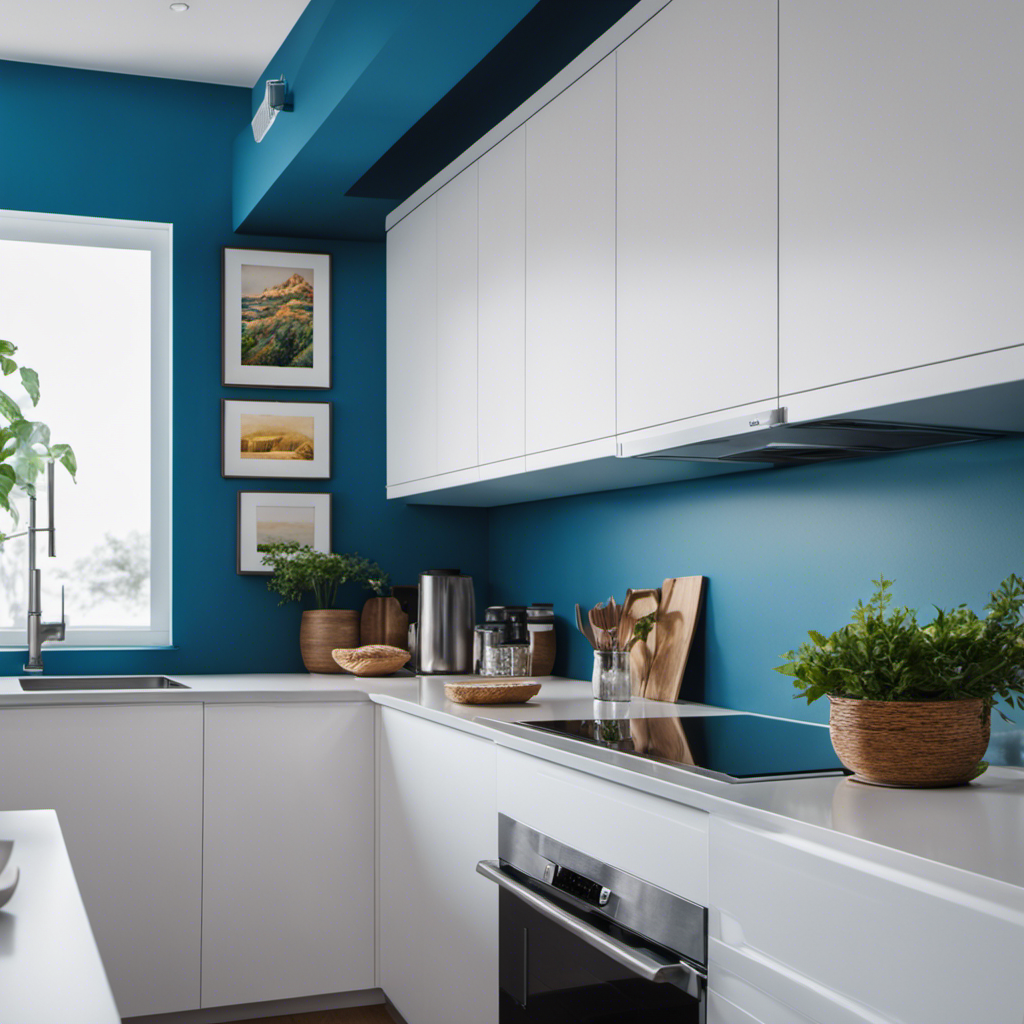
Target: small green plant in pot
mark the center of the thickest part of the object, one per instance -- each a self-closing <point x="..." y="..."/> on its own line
<point x="911" y="704"/>
<point x="298" y="570"/>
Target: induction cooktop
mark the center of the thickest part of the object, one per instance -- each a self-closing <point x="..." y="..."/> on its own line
<point x="734" y="748"/>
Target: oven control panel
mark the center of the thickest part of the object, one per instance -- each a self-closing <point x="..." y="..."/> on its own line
<point x="575" y="884"/>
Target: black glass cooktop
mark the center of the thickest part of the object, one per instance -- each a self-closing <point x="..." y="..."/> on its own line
<point x="736" y="748"/>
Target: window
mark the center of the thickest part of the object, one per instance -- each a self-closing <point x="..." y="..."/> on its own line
<point x="88" y="303"/>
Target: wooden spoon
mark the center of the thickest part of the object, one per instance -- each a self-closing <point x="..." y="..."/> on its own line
<point x="584" y="627"/>
<point x="604" y="632"/>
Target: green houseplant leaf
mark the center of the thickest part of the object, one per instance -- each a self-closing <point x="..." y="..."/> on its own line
<point x="30" y="382"/>
<point x="298" y="570"/>
<point x="884" y="653"/>
<point x="25" y="448"/>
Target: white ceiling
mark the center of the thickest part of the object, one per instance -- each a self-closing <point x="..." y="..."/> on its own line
<point x="228" y="42"/>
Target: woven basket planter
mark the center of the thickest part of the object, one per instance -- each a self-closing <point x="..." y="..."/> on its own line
<point x="912" y="744"/>
<point x="323" y="630"/>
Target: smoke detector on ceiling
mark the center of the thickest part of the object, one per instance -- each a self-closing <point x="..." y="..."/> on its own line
<point x="275" y="100"/>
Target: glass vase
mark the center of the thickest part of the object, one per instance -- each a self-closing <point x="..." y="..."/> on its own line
<point x="611" y="676"/>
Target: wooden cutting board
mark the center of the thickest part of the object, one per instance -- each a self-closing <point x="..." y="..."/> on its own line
<point x="678" y="614"/>
<point x="638" y="603"/>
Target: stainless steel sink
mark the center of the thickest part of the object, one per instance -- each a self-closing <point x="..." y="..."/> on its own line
<point x="101" y="683"/>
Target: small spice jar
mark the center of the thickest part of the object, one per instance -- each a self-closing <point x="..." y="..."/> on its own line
<point x="540" y="625"/>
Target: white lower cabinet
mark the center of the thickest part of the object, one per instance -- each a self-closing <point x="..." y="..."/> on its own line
<point x="126" y="782"/>
<point x="438" y="918"/>
<point x="804" y="933"/>
<point x="288" y="851"/>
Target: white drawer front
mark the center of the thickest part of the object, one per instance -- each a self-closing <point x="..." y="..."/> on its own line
<point x="776" y="995"/>
<point x="757" y="1008"/>
<point x="868" y="942"/>
<point x="658" y="840"/>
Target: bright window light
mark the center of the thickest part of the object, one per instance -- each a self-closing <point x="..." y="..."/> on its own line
<point x="87" y="302"/>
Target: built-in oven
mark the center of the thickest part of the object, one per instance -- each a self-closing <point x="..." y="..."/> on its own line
<point x="581" y="941"/>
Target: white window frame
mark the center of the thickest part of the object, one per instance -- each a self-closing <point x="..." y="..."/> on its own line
<point x="157" y="239"/>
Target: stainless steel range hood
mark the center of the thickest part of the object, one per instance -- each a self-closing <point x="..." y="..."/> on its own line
<point x="766" y="437"/>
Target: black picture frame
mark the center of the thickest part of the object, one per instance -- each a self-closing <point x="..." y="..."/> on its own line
<point x="323" y="499"/>
<point x="234" y="466"/>
<point x="233" y="372"/>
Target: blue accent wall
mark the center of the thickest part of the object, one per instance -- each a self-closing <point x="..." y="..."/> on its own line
<point x="103" y="145"/>
<point x="368" y="75"/>
<point x="784" y="550"/>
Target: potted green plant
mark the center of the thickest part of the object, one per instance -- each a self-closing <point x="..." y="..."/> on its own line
<point x="911" y="704"/>
<point x="298" y="570"/>
<point x="383" y="621"/>
<point x="25" y="446"/>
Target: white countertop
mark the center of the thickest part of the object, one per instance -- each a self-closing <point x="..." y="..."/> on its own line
<point x="50" y="968"/>
<point x="970" y="837"/>
<point x="214" y="689"/>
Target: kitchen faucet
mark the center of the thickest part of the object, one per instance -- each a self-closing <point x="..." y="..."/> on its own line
<point x="39" y="632"/>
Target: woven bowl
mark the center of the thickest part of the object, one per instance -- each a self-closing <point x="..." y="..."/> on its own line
<point x="371" y="660"/>
<point x="504" y="691"/>
<point x="913" y="744"/>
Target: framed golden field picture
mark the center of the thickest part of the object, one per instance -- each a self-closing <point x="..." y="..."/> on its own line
<point x="275" y="440"/>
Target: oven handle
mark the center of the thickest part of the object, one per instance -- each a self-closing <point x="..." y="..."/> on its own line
<point x="683" y="975"/>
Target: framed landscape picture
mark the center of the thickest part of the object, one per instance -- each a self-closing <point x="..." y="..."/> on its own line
<point x="276" y="319"/>
<point x="268" y="518"/>
<point x="278" y="440"/>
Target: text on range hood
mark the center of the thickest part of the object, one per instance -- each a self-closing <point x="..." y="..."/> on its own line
<point x="766" y="437"/>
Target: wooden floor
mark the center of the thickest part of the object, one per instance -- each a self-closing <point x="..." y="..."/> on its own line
<point x="355" y="1015"/>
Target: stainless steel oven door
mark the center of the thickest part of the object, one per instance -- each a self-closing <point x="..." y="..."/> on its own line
<point x="562" y="964"/>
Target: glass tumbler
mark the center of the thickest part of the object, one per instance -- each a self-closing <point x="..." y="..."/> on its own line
<point x="487" y="641"/>
<point x="611" y="675"/>
<point x="514" y="659"/>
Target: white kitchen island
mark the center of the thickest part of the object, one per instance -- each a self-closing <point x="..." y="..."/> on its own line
<point x="50" y="968"/>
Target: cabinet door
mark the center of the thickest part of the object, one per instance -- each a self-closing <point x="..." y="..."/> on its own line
<point x="288" y="851"/>
<point x="502" y="315"/>
<point x="438" y="917"/>
<point x="570" y="265"/>
<point x="849" y="941"/>
<point x="126" y="782"/>
<point x="697" y="224"/>
<point x="901" y="208"/>
<point x="412" y="345"/>
<point x="456" y="323"/>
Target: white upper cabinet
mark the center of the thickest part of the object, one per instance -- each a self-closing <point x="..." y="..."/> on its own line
<point x="901" y="207"/>
<point x="570" y="265"/>
<point x="412" y="345"/>
<point x="456" y="323"/>
<point x="502" y="309"/>
<point x="697" y="217"/>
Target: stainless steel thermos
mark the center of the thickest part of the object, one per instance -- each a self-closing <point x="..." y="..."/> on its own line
<point x="447" y="614"/>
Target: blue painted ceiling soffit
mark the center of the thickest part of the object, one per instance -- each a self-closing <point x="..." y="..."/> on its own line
<point x="387" y="93"/>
